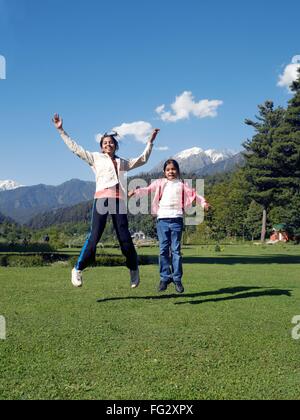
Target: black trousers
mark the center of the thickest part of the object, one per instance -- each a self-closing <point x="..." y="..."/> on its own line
<point x="101" y="209"/>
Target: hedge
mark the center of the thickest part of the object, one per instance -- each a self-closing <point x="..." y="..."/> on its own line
<point x="3" y="261"/>
<point x="34" y="247"/>
<point x="41" y="260"/>
<point x="111" y="261"/>
<point x="25" y="261"/>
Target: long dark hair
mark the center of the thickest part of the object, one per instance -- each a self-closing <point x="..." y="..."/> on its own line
<point x="172" y="162"/>
<point x="111" y="136"/>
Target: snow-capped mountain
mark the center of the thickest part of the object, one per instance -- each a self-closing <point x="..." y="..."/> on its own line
<point x="195" y="159"/>
<point x="219" y="156"/>
<point x="208" y="156"/>
<point x="9" y="185"/>
<point x="213" y="154"/>
<point x="185" y="154"/>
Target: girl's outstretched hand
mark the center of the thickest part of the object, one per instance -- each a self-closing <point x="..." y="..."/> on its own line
<point x="131" y="193"/>
<point x="207" y="206"/>
<point x="57" y="121"/>
<point x="154" y="134"/>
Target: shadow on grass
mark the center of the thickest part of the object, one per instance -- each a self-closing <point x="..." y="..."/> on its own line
<point x="242" y="259"/>
<point x="255" y="293"/>
<point x="265" y="293"/>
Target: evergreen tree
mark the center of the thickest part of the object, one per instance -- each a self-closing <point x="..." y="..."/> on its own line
<point x="286" y="154"/>
<point x="261" y="170"/>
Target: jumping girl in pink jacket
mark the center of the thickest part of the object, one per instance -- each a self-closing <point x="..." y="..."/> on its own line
<point x="172" y="197"/>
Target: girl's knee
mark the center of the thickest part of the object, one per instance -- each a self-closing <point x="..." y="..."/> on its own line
<point x="164" y="252"/>
<point x="127" y="247"/>
<point x="176" y="251"/>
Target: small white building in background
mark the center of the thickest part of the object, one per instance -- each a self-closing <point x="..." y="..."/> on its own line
<point x="139" y="236"/>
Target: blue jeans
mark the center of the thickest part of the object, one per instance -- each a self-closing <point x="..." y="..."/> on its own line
<point x="170" y="260"/>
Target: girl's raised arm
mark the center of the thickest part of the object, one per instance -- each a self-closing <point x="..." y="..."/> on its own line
<point x="72" y="145"/>
<point x="144" y="157"/>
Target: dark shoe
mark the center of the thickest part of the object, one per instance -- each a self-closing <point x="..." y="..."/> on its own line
<point x="163" y="285"/>
<point x="179" y="287"/>
<point x="134" y="278"/>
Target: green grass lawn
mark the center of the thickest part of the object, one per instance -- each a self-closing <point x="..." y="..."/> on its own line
<point x="227" y="337"/>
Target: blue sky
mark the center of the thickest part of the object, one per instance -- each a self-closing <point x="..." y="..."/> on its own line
<point x="104" y="64"/>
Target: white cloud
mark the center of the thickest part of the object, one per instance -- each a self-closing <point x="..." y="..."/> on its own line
<point x="162" y="148"/>
<point x="290" y="73"/>
<point x="160" y="109"/>
<point x="185" y="106"/>
<point x="140" y="130"/>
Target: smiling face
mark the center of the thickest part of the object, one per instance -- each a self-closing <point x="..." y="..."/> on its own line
<point x="171" y="172"/>
<point x="108" y="146"/>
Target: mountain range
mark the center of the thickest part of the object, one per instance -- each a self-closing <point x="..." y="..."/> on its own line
<point x="203" y="162"/>
<point x="22" y="204"/>
<point x="5" y="219"/>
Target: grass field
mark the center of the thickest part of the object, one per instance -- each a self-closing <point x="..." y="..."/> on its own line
<point x="227" y="337"/>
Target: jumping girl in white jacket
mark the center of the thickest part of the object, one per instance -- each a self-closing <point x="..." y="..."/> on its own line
<point x="110" y="171"/>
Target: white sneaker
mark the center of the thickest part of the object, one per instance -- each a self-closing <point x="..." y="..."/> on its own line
<point x="134" y="278"/>
<point x="77" y="278"/>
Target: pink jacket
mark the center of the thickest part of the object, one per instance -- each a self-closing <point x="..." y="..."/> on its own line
<point x="189" y="195"/>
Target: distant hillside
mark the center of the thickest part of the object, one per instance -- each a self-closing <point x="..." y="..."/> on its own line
<point x="82" y="212"/>
<point x="79" y="213"/>
<point x="5" y="219"/>
<point x="24" y="203"/>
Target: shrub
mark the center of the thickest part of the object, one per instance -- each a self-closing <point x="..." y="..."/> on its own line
<point x="111" y="261"/>
<point x="55" y="257"/>
<point x="57" y="245"/>
<point x="34" y="247"/>
<point x="25" y="261"/>
<point x="217" y="248"/>
<point x="3" y="261"/>
<point x="297" y="238"/>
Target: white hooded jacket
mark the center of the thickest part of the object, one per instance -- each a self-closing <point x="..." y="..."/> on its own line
<point x="103" y="166"/>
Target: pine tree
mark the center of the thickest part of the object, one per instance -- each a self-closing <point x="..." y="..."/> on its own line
<point x="286" y="154"/>
<point x="261" y="170"/>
